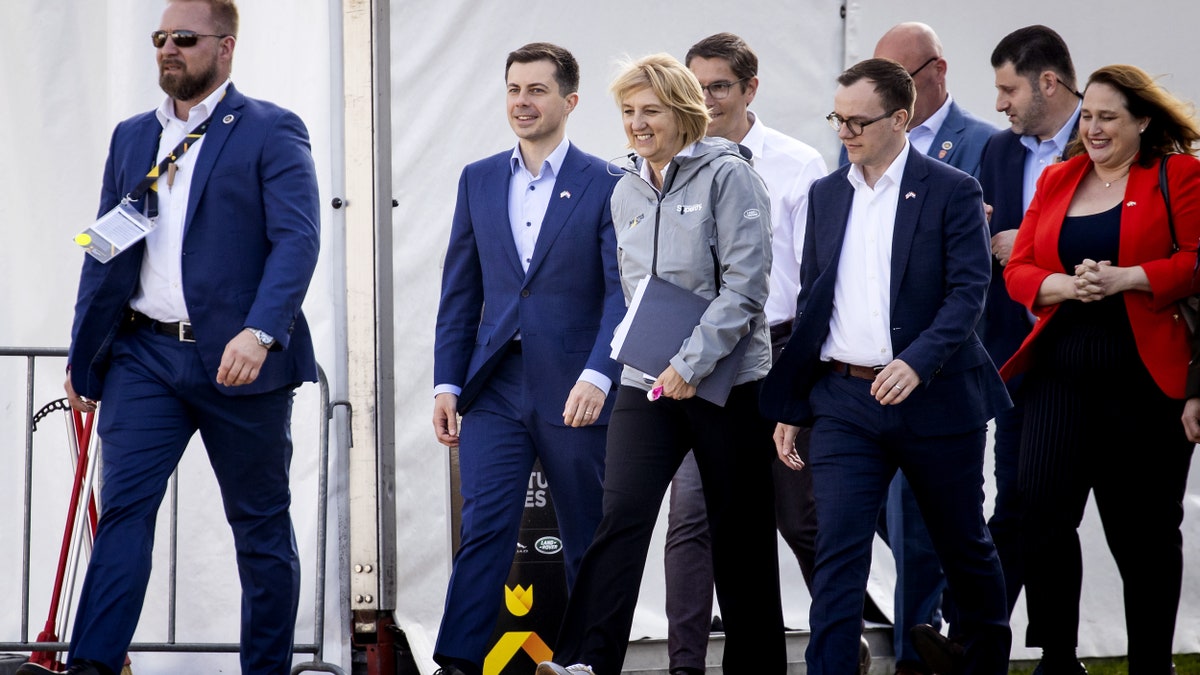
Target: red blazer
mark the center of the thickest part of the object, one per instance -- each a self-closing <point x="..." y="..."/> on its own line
<point x="1159" y="331"/>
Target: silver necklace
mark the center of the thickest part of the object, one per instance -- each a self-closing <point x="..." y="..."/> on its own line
<point x="1108" y="183"/>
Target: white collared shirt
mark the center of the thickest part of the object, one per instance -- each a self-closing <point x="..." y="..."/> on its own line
<point x="159" y="294"/>
<point x="859" y="330"/>
<point x="923" y="134"/>
<point x="788" y="167"/>
<point x="529" y="197"/>
<point x="1041" y="154"/>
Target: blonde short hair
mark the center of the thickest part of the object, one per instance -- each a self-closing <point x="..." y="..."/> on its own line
<point x="673" y="84"/>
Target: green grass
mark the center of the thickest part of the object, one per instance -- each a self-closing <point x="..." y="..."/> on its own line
<point x="1185" y="664"/>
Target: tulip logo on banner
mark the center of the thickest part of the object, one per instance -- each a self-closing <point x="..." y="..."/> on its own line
<point x="524" y="632"/>
<point x="519" y="602"/>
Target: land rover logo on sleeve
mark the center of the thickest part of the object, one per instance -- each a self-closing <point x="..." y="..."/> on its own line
<point x="548" y="545"/>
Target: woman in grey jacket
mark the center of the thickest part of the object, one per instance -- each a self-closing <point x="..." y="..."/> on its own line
<point x="691" y="211"/>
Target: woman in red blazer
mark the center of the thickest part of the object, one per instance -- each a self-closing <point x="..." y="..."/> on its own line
<point x="1106" y="363"/>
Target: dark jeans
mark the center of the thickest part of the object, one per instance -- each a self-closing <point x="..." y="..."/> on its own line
<point x="687" y="555"/>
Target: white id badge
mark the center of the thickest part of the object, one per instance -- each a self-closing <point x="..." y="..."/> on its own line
<point x="115" y="232"/>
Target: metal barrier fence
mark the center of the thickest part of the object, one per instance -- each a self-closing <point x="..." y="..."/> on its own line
<point x="315" y="647"/>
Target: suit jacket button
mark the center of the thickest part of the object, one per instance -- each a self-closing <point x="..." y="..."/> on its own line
<point x="525" y="293"/>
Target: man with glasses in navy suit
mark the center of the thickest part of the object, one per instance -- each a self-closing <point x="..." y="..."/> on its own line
<point x="884" y="365"/>
<point x="945" y="131"/>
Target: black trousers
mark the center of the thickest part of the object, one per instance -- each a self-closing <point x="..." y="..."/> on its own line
<point x="1096" y="421"/>
<point x="646" y="443"/>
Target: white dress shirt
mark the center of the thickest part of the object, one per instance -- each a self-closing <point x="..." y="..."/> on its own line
<point x="529" y="197"/>
<point x="1041" y="154"/>
<point x="159" y="294"/>
<point x="788" y="167"/>
<point x="859" y="331"/>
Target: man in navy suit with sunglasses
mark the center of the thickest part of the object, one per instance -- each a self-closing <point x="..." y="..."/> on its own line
<point x="198" y="328"/>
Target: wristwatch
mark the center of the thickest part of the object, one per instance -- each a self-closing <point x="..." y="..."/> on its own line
<point x="264" y="340"/>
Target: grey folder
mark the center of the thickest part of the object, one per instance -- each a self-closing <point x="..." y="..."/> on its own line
<point x="662" y="320"/>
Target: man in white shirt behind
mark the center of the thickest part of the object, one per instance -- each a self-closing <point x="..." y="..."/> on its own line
<point x="728" y="73"/>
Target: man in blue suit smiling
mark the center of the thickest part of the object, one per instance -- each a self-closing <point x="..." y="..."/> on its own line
<point x="885" y="366"/>
<point x="530" y="299"/>
<point x="198" y="327"/>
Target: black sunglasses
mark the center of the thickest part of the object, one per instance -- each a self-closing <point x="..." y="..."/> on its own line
<point x="922" y="67"/>
<point x="181" y="38"/>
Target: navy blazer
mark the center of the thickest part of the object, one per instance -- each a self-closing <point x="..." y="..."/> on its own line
<point x="1005" y="322"/>
<point x="959" y="141"/>
<point x="250" y="243"/>
<point x="566" y="306"/>
<point x="939" y="278"/>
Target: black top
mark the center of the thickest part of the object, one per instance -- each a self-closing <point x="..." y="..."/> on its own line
<point x="1096" y="236"/>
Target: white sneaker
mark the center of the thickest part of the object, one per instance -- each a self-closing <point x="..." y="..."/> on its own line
<point x="552" y="668"/>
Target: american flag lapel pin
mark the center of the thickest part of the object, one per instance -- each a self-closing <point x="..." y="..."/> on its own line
<point x="565" y="194"/>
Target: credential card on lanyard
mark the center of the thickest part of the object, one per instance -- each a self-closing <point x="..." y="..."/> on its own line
<point x="115" y="232"/>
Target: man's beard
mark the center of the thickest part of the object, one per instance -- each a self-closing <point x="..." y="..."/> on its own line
<point x="1035" y="112"/>
<point x="182" y="85"/>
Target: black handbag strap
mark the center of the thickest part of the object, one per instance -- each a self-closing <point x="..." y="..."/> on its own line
<point x="1166" y="194"/>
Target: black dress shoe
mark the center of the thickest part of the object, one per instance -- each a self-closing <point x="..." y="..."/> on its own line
<point x="449" y="670"/>
<point x="1073" y="667"/>
<point x="940" y="653"/>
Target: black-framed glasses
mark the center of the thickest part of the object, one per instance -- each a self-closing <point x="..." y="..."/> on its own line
<point x="922" y="67"/>
<point x="855" y="126"/>
<point x="181" y="38"/>
<point x="720" y="90"/>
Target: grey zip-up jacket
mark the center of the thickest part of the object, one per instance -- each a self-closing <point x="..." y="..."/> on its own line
<point x="714" y="207"/>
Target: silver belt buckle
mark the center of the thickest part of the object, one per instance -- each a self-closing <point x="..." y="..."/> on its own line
<point x="185" y="332"/>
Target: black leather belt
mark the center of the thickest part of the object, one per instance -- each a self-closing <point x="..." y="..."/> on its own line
<point x="851" y="370"/>
<point x="180" y="330"/>
<point x="781" y="331"/>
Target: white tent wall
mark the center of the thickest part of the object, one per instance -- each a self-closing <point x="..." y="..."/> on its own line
<point x="71" y="71"/>
<point x="448" y="109"/>
<point x="1155" y="36"/>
